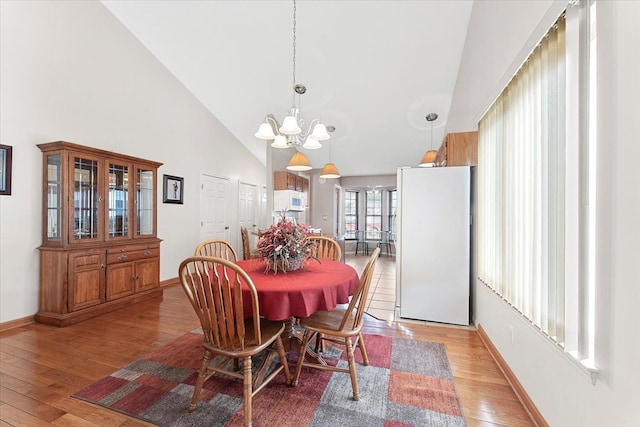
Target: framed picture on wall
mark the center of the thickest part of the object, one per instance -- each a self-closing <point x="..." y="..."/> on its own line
<point x="5" y="169"/>
<point x="173" y="191"/>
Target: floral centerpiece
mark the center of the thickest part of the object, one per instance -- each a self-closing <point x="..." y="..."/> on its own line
<point x="285" y="247"/>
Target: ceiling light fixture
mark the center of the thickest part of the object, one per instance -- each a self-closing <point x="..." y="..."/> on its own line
<point x="330" y="171"/>
<point x="299" y="162"/>
<point x="291" y="133"/>
<point x="429" y="158"/>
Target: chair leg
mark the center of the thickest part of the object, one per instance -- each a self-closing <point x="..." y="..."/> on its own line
<point x="206" y="358"/>
<point x="363" y="350"/>
<point x="301" y="355"/>
<point x="283" y="359"/>
<point x="352" y="368"/>
<point x="247" y="391"/>
<point x="319" y="344"/>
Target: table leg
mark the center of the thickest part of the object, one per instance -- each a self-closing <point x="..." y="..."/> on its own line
<point x="292" y="336"/>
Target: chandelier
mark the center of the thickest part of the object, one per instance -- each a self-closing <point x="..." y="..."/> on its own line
<point x="291" y="133"/>
<point x="429" y="157"/>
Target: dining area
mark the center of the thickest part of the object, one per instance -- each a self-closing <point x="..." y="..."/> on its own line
<point x="264" y="310"/>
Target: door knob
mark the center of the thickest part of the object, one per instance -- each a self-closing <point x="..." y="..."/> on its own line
<point x="227" y="227"/>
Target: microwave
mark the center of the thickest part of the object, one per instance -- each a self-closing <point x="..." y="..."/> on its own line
<point x="288" y="200"/>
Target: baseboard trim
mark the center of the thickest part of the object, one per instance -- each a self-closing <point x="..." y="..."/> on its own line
<point x="534" y="414"/>
<point x="16" y="323"/>
<point x="169" y="282"/>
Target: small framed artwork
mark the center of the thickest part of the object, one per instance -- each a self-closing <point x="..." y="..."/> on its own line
<point x="5" y="169"/>
<point x="173" y="191"/>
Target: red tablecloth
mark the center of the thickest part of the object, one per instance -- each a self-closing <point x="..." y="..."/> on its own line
<point x="318" y="286"/>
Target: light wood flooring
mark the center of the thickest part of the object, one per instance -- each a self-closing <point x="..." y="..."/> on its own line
<point x="41" y="366"/>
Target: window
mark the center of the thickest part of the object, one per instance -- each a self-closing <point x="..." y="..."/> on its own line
<point x="373" y="218"/>
<point x="350" y="214"/>
<point x="392" y="211"/>
<point x="535" y="203"/>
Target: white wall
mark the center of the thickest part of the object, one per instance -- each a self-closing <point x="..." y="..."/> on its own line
<point x="322" y="212"/>
<point x="560" y="390"/>
<point x="70" y="71"/>
<point x="501" y="35"/>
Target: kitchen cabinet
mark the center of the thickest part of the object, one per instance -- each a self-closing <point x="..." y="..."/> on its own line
<point x="131" y="270"/>
<point x="99" y="247"/>
<point x="458" y="149"/>
<point x="283" y="180"/>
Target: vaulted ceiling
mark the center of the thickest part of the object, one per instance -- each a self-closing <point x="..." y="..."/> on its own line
<point x="373" y="69"/>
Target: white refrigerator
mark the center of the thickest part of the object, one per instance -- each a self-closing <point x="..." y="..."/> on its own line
<point x="433" y="258"/>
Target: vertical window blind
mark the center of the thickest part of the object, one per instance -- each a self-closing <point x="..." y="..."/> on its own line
<point x="521" y="184"/>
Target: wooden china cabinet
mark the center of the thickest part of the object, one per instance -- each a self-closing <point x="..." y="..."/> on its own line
<point x="99" y="247"/>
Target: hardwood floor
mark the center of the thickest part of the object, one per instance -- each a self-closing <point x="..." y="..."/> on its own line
<point x="41" y="366"/>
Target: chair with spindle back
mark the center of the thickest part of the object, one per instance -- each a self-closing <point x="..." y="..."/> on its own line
<point x="247" y="253"/>
<point x="339" y="326"/>
<point x="326" y="248"/>
<point x="217" y="248"/>
<point x="214" y="287"/>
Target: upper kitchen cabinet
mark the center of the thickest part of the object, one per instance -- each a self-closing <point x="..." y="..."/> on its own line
<point x="283" y="180"/>
<point x="458" y="149"/>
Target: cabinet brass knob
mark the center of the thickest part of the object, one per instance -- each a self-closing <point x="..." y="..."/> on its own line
<point x="122" y="257"/>
<point x="147" y="253"/>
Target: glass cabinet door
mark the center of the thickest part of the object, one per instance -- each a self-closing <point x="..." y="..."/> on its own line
<point x="118" y="211"/>
<point x="86" y="199"/>
<point x="54" y="197"/>
<point x="145" y="202"/>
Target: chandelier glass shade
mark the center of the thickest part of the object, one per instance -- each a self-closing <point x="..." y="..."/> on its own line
<point x="429" y="158"/>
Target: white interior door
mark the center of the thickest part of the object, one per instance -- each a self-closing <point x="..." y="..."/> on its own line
<point x="214" y="215"/>
<point x="263" y="214"/>
<point x="248" y="210"/>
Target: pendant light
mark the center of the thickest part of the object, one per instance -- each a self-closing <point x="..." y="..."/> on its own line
<point x="429" y="158"/>
<point x="299" y="162"/>
<point x="330" y="171"/>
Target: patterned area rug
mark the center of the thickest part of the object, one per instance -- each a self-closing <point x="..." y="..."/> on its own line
<point x="407" y="383"/>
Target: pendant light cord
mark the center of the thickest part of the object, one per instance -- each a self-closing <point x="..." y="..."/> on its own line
<point x="431" y="142"/>
<point x="294" y="51"/>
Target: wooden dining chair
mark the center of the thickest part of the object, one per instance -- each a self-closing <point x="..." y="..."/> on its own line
<point x="326" y="248"/>
<point x="247" y="253"/>
<point x="339" y="325"/>
<point x="214" y="288"/>
<point x="217" y="248"/>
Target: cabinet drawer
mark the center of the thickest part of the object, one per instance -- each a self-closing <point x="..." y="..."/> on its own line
<point x="114" y="258"/>
<point x="86" y="261"/>
<point x="131" y="248"/>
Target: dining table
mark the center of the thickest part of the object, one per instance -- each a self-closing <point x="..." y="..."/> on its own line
<point x="318" y="285"/>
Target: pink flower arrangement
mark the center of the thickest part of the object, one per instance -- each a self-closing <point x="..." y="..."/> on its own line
<point x="285" y="246"/>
